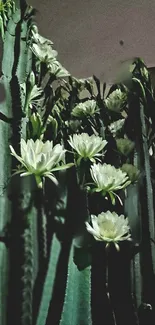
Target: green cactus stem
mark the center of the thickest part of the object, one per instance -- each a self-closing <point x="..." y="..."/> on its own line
<point x="27" y="294"/>
<point x="77" y="304"/>
<point x="49" y="282"/>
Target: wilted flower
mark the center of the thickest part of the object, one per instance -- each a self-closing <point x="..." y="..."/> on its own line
<point x="109" y="227"/>
<point x="107" y="179"/>
<point x="86" y="146"/>
<point x="116" y="100"/>
<point x="42" y="48"/>
<point x="40" y="159"/>
<point x="44" y="52"/>
<point x="116" y="126"/>
<point x="37" y="38"/>
<point x="125" y="146"/>
<point x="87" y="108"/>
<point x="55" y="68"/>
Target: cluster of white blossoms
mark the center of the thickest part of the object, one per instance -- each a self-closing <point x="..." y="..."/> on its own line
<point x="40" y="159"/>
<point x="110" y="228"/>
<point x="87" y="147"/>
<point x="43" y="159"/>
<point x="85" y="109"/>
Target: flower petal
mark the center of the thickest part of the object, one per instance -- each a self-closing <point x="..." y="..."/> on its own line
<point x="16" y="156"/>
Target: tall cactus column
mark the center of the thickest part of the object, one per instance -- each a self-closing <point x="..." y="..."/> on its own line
<point x="5" y="212"/>
<point x="16" y="65"/>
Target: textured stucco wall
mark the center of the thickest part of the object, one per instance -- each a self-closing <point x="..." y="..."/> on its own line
<point x="87" y="33"/>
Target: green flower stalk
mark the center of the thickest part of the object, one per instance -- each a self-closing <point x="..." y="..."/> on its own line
<point x="87" y="147"/>
<point x="116" y="101"/>
<point x="110" y="228"/>
<point x="40" y="159"/>
<point x="87" y="109"/>
<point x="107" y="179"/>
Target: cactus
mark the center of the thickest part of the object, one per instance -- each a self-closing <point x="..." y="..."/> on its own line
<point x="77" y="241"/>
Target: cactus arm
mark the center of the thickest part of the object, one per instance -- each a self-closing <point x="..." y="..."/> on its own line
<point x="148" y="182"/>
<point x="5" y="209"/>
<point x="13" y="75"/>
<point x="49" y="282"/>
<point x="25" y="59"/>
<point x="133" y="211"/>
<point x="149" y="190"/>
<point x="28" y="267"/>
<point x="136" y="280"/>
<point x="77" y="305"/>
<point x="5" y="174"/>
<point x="10" y="37"/>
<point x="42" y="226"/>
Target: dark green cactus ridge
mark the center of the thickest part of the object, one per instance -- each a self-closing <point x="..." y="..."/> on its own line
<point x="81" y="249"/>
<point x="28" y="276"/>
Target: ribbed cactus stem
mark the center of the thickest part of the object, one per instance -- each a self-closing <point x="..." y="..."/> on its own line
<point x="44" y="233"/>
<point x="137" y="280"/>
<point x="149" y="190"/>
<point x="107" y="287"/>
<point x="49" y="282"/>
<point x="77" y="304"/>
<point x="42" y="225"/>
<point x="28" y="275"/>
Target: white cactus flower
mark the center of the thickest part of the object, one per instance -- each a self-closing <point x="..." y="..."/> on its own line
<point x="109" y="227"/>
<point x="87" y="147"/>
<point x="40" y="159"/>
<point x="116" y="100"/>
<point x="107" y="179"/>
<point x="87" y="108"/>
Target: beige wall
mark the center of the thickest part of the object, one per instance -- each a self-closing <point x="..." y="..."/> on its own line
<point x="87" y="33"/>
